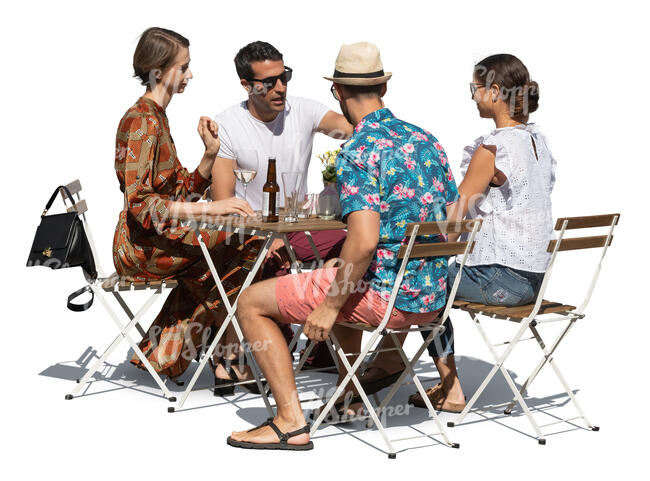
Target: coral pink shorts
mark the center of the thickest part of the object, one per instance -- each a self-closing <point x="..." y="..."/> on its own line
<point x="299" y="294"/>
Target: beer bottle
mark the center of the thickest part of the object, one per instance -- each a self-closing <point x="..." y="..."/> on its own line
<point x="270" y="194"/>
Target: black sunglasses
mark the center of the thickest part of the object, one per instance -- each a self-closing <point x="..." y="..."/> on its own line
<point x="269" y="82"/>
<point x="473" y="87"/>
<point x="334" y="93"/>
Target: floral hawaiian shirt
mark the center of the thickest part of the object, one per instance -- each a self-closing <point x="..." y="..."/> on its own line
<point x="401" y="172"/>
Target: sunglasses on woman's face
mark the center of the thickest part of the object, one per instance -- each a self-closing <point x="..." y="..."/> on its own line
<point x="269" y="82"/>
<point x="473" y="87"/>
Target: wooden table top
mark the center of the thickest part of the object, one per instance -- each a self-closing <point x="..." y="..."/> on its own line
<point x="256" y="223"/>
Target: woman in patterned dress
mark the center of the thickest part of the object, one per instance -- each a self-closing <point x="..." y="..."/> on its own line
<point x="148" y="242"/>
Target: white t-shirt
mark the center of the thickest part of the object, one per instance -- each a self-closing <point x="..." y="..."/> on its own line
<point x="517" y="219"/>
<point x="289" y="138"/>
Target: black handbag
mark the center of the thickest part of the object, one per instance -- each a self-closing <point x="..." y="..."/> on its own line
<point x="60" y="242"/>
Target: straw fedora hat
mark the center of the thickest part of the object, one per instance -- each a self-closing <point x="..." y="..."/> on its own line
<point x="359" y="64"/>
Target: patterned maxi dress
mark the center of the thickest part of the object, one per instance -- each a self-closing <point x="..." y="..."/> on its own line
<point x="148" y="244"/>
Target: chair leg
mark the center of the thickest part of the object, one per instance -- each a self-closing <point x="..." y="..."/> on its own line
<point x="355" y="380"/>
<point x="335" y="358"/>
<point x="558" y="373"/>
<point x="124" y="330"/>
<point x="296" y="336"/>
<point x="538" y="368"/>
<point x="421" y="390"/>
<point x="128" y="311"/>
<point x="250" y="358"/>
<point x="522" y="403"/>
<point x="341" y="387"/>
<point x="231" y="309"/>
<point x="207" y="355"/>
<point x="498" y="362"/>
<point x="398" y="383"/>
<point x="303" y="358"/>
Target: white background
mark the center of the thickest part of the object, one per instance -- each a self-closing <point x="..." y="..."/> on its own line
<point x="67" y="80"/>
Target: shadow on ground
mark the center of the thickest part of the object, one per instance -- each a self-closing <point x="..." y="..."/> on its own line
<point x="311" y="385"/>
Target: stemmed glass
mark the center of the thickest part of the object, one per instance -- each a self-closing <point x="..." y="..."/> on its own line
<point x="247" y="164"/>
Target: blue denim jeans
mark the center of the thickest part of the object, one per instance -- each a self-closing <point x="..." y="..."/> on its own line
<point x="492" y="284"/>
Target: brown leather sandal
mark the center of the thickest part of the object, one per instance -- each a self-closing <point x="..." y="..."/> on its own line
<point x="434" y="393"/>
<point x="438" y="400"/>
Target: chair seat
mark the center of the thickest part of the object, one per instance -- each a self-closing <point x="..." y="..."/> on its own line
<point x="113" y="283"/>
<point x="515" y="313"/>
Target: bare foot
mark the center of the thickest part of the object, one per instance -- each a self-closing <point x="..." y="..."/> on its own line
<point x="455" y="394"/>
<point x="266" y="434"/>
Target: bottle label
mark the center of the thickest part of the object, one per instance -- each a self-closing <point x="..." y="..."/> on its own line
<point x="265" y="204"/>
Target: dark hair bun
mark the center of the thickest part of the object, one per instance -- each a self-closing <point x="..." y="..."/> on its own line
<point x="526" y="99"/>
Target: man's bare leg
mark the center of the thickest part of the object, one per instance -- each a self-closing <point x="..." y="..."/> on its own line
<point x="257" y="307"/>
<point x="449" y="379"/>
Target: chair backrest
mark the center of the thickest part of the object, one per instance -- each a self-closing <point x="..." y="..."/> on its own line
<point x="570" y="223"/>
<point x="438" y="249"/>
<point x="413" y="250"/>
<point x="81" y="207"/>
<point x="575" y="243"/>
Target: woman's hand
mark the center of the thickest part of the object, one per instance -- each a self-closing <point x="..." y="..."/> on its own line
<point x="209" y="132"/>
<point x="229" y="206"/>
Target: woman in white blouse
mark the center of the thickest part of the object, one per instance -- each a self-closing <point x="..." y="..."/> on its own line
<point x="508" y="178"/>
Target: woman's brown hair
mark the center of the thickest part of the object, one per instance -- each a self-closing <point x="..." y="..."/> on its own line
<point x="512" y="77"/>
<point x="156" y="50"/>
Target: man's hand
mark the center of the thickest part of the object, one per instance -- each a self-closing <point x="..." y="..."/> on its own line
<point x="273" y="251"/>
<point x="319" y="323"/>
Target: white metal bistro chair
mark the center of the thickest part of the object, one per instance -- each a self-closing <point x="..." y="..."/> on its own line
<point x="411" y="250"/>
<point x="103" y="285"/>
<point x="532" y="316"/>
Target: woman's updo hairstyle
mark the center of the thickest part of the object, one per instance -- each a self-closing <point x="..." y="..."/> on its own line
<point x="156" y="52"/>
<point x="515" y="86"/>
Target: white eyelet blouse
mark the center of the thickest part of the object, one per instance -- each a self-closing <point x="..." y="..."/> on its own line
<point x="517" y="219"/>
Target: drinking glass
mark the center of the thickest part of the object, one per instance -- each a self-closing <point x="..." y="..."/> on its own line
<point x="308" y="206"/>
<point x="247" y="163"/>
<point x="327" y="206"/>
<point x="292" y="182"/>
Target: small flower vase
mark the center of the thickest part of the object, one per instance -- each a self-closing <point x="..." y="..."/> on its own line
<point x="329" y="206"/>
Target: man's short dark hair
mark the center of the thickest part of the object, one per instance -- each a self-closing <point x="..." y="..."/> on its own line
<point x="254" y="52"/>
<point x="368" y="91"/>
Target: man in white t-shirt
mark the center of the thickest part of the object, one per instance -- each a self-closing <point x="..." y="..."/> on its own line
<point x="271" y="124"/>
<point x="268" y="124"/>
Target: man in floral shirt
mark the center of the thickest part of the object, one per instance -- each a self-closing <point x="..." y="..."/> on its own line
<point x="389" y="173"/>
<point x="400" y="171"/>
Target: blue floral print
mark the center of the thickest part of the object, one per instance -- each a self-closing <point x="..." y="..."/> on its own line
<point x="400" y="171"/>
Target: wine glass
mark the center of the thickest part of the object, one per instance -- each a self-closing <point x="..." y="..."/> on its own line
<point x="246" y="166"/>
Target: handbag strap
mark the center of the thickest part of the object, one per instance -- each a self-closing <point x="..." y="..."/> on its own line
<point x="51" y="201"/>
<point x="81" y="307"/>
